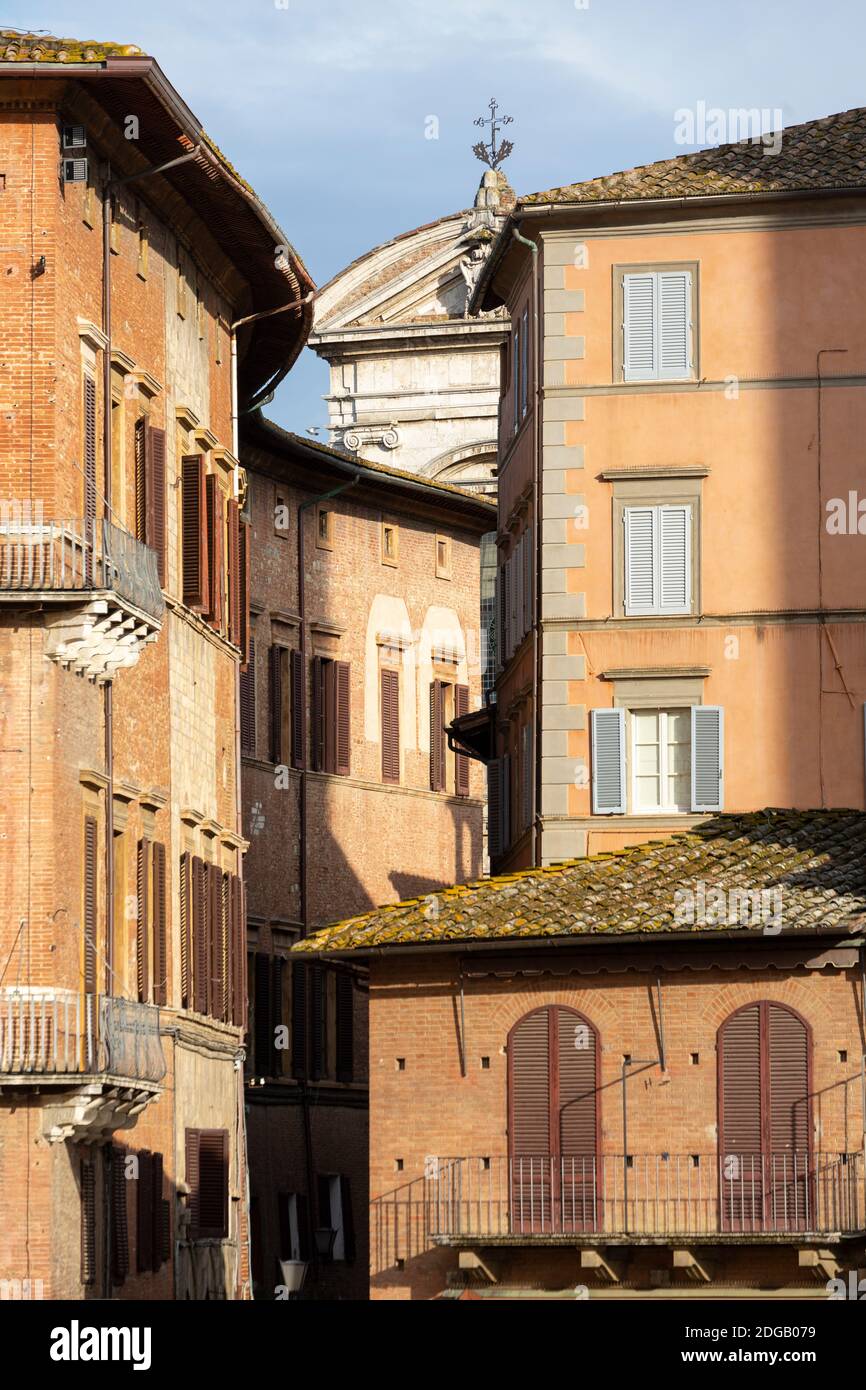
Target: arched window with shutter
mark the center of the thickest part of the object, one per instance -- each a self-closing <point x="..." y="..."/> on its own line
<point x="553" y="1121"/>
<point x="766" y="1165"/>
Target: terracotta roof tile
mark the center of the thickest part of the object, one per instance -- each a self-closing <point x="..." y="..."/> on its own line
<point x="813" y="860"/>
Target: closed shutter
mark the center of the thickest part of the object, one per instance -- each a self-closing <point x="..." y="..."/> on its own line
<point x="342" y="718"/>
<point x="528" y="576"/>
<point x="119" y="1225"/>
<point x="708" y="752"/>
<point x="345" y="994"/>
<point x="248" y="703"/>
<point x="674" y="319"/>
<point x="244" y="545"/>
<point x="299" y="1020"/>
<point x="143" y="919"/>
<point x="317" y="714"/>
<point x="194" y="564"/>
<point x="318" y="1021"/>
<point x="263" y="1030"/>
<point x="494" y="807"/>
<point x="199" y="933"/>
<point x="239" y="964"/>
<point x="186" y="931"/>
<point x="608" y="762"/>
<point x="165" y="1229"/>
<point x="144" y="1214"/>
<point x="526" y="776"/>
<point x="88" y="1220"/>
<point x="156" y="1255"/>
<point x="576" y="1120"/>
<point x="639" y="332"/>
<point x="519" y="597"/>
<point x="140" y="450"/>
<point x="741" y="1128"/>
<point x="191" y="1149"/>
<point x="160" y="962"/>
<point x="640" y="560"/>
<point x="437" y="736"/>
<point x="214" y="943"/>
<point x="90" y="901"/>
<point x="226" y="947"/>
<point x="215" y="535"/>
<point x="234" y="572"/>
<point x="790" y="1178"/>
<point x="298" y="698"/>
<point x="213" y="1184"/>
<point x="390" y="716"/>
<point x="348" y="1220"/>
<point x="89" y="452"/>
<point x="674" y="579"/>
<point x="529" y="1081"/>
<point x="275" y="707"/>
<point x="501" y="612"/>
<point x="461" y="761"/>
<point x="155" y="446"/>
<point x="505" y="802"/>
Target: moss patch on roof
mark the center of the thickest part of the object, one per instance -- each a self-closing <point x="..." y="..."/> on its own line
<point x="810" y="865"/>
<point x="45" y="48"/>
<point x="829" y="153"/>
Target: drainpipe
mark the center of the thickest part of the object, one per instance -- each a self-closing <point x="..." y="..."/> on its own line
<point x="537" y="520"/>
<point x="107" y="689"/>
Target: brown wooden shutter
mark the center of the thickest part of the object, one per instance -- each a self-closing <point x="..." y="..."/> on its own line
<point x="299" y="1019"/>
<point x="160" y="960"/>
<point x="461" y="761"/>
<point x="390" y="715"/>
<point x="186" y="931"/>
<point x="213" y="1183"/>
<point x="194" y="567"/>
<point x="88" y="1220"/>
<point x="244" y="546"/>
<point x="740" y="1120"/>
<point x="343" y="720"/>
<point x="298" y="698"/>
<point x="263" y="1031"/>
<point x="348" y="1220"/>
<point x="437" y="736"/>
<point x="317" y="715"/>
<point x="155" y="447"/>
<point x="165" y="1229"/>
<point x="226" y="947"/>
<point x="494" y="808"/>
<point x="191" y="1147"/>
<point x="156" y="1255"/>
<point x="574" y="1121"/>
<point x="139" y="446"/>
<point x="143" y="918"/>
<point x="239" y="947"/>
<point x="248" y="703"/>
<point x="215" y="535"/>
<point x="318" y="1021"/>
<point x="345" y="994"/>
<point x="234" y="572"/>
<point x="788" y="1110"/>
<point x="200" y="933"/>
<point x="144" y="1214"/>
<point x="119" y="1223"/>
<point x="275" y="707"/>
<point x="89" y="449"/>
<point x="90" y="902"/>
<point x="214" y="942"/>
<point x="529" y="1085"/>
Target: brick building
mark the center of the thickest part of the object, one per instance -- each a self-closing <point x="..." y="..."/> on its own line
<point x="132" y="249"/>
<point x="634" y="1075"/>
<point x="364" y="643"/>
<point x="681" y="569"/>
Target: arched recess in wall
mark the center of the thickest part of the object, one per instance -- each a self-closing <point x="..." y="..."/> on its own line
<point x="388" y="626"/>
<point x="441" y="639"/>
<point x="470" y="466"/>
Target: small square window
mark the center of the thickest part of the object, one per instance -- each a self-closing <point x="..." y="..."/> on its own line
<point x="398" y="1165"/>
<point x="401" y="1063"/>
<point x="325" y="528"/>
<point x="485" y="1063"/>
<point x="443" y="557"/>
<point x="390" y="543"/>
<point x="695" y="1058"/>
<point x="843" y="1055"/>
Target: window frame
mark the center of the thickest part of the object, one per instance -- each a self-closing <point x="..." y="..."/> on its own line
<point x="619" y="273"/>
<point x="661" y="713"/>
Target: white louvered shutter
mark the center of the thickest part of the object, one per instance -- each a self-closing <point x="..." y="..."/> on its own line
<point x="639" y="359"/>
<point x="674" y="578"/>
<point x="608" y="762"/>
<point x="674" y="301"/>
<point x="494" y="808"/>
<point x="641" y="594"/>
<point x="708" y="755"/>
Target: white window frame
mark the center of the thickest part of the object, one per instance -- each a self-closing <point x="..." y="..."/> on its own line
<point x="657" y="608"/>
<point x="662" y="713"/>
<point x="657" y="372"/>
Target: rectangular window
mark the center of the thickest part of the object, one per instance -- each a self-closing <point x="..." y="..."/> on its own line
<point x="661" y="760"/>
<point x="515" y="378"/>
<point x="676" y="759"/>
<point x="194" y="563"/>
<point x="443" y="557"/>
<point x="207" y="1176"/>
<point x="325" y="528"/>
<point x="87" y="1192"/>
<point x="331" y="716"/>
<point x="389" y="686"/>
<point x="524" y="365"/>
<point x="215" y="536"/>
<point x="280" y="714"/>
<point x="657" y="324"/>
<point x="335" y="1213"/>
<point x="658" y="567"/>
<point x="91" y="898"/>
<point x="248" y="703"/>
<point x="293" y="1220"/>
<point x="390" y="543"/>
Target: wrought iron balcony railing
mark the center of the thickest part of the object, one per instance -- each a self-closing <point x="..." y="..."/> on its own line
<point x="79" y="556"/>
<point x="54" y="1032"/>
<point x="544" y="1199"/>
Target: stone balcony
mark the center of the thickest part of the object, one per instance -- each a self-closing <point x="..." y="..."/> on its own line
<point x="95" y="1061"/>
<point x="97" y="586"/>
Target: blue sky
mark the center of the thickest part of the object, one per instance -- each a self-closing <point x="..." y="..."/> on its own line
<point x="322" y="104"/>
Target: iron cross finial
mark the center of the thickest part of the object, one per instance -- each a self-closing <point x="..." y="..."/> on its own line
<point x="489" y="154"/>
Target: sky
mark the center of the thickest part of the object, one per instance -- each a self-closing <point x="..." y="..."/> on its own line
<point x="325" y="106"/>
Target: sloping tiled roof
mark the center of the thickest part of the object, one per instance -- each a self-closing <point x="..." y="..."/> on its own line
<point x="827" y="153"/>
<point x="815" y="859"/>
<point x="16" y="47"/>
